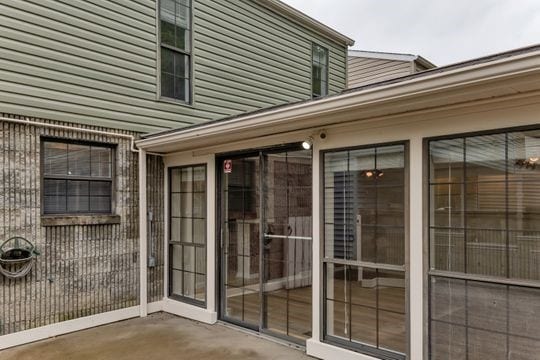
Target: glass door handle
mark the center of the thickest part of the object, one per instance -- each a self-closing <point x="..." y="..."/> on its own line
<point x="269" y="236"/>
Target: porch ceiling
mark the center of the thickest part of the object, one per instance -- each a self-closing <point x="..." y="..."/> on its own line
<point x="509" y="76"/>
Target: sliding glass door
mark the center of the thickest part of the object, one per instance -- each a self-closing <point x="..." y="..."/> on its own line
<point x="266" y="242"/>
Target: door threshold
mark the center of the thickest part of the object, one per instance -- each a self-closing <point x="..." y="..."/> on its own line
<point x="260" y="335"/>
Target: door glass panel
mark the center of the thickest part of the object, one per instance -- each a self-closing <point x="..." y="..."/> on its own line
<point x="287" y="244"/>
<point x="240" y="221"/>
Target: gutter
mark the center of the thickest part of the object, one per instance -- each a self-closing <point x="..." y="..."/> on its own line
<point x="429" y="82"/>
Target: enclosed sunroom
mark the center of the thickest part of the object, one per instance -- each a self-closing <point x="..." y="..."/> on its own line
<point x="400" y="220"/>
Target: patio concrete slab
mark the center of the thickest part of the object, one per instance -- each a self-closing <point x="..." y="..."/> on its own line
<point x="159" y="336"/>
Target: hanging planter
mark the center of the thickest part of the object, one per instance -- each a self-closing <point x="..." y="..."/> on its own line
<point x="16" y="257"/>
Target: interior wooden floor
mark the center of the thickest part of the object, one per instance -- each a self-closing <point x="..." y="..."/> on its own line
<point x="359" y="319"/>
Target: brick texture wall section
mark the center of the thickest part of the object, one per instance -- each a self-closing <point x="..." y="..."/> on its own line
<point x="83" y="269"/>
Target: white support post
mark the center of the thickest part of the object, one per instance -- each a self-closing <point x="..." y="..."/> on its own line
<point x="317" y="253"/>
<point x="143" y="240"/>
<point x="416" y="254"/>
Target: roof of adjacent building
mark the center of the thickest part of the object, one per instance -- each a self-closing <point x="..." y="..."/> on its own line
<point x="392" y="56"/>
<point x="305" y="20"/>
<point x="404" y="79"/>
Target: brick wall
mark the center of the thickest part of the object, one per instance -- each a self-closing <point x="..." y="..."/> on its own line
<point x="83" y="269"/>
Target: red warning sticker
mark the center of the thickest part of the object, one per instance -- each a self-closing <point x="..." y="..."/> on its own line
<point x="227" y="166"/>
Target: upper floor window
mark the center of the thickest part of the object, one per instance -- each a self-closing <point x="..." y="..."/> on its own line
<point x="175" y="29"/>
<point x="77" y="178"/>
<point x="319" y="67"/>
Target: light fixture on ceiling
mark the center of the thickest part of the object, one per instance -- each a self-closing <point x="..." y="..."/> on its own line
<point x="308" y="143"/>
<point x="376" y="173"/>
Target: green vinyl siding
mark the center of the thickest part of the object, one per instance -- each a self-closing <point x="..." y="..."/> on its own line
<point x="96" y="62"/>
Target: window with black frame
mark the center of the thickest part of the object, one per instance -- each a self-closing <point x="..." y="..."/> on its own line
<point x="484" y="246"/>
<point x="77" y="177"/>
<point x="187" y="234"/>
<point x="319" y="67"/>
<point x="175" y="34"/>
<point x="364" y="250"/>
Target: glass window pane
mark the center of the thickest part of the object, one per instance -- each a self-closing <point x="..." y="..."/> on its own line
<point x="199" y="231"/>
<point x="189" y="285"/>
<point x="337" y="284"/>
<point x="446" y="160"/>
<point x="524" y="205"/>
<point x="448" y="341"/>
<point x="486" y="306"/>
<point x="338" y="320"/>
<point x="186" y="230"/>
<point x="200" y="287"/>
<point x="100" y="188"/>
<point x="78" y="196"/>
<point x="182" y="16"/>
<point x="189" y="258"/>
<point x="448" y="300"/>
<point x="167" y="85"/>
<point x="167" y="17"/>
<point x="176" y="256"/>
<point x="524" y="155"/>
<point x="167" y="61"/>
<point x="200" y="260"/>
<point x="187" y="180"/>
<point x="486" y="205"/>
<point x="181" y="88"/>
<point x="199" y="205"/>
<point x="524" y="255"/>
<point x="181" y="66"/>
<point x="524" y="307"/>
<point x="485" y="158"/>
<point x="364" y="325"/>
<point x="447" y="205"/>
<point x="186" y="204"/>
<point x="55" y="158"/>
<point x="177" y="282"/>
<point x="486" y="345"/>
<point x="100" y="204"/>
<point x="79" y="160"/>
<point x="55" y="204"/>
<point x="101" y="161"/>
<point x="392" y="332"/>
<point x="447" y="249"/>
<point x="175" y="180"/>
<point x="486" y="252"/>
<point x="199" y="179"/>
<point x="77" y="204"/>
<point x="363" y="286"/>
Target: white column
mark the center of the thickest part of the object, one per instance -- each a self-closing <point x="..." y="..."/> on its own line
<point x="317" y="253"/>
<point x="143" y="241"/>
<point x="211" y="245"/>
<point x="416" y="254"/>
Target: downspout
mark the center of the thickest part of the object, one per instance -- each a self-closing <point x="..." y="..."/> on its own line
<point x="143" y="236"/>
<point x="143" y="211"/>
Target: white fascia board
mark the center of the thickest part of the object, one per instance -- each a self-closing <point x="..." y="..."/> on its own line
<point x="372" y="96"/>
<point x="382" y="55"/>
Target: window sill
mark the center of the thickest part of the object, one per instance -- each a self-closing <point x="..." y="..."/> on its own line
<point x="174" y="101"/>
<point x="67" y="220"/>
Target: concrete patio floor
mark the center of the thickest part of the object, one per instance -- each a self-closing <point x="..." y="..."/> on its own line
<point x="159" y="336"/>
